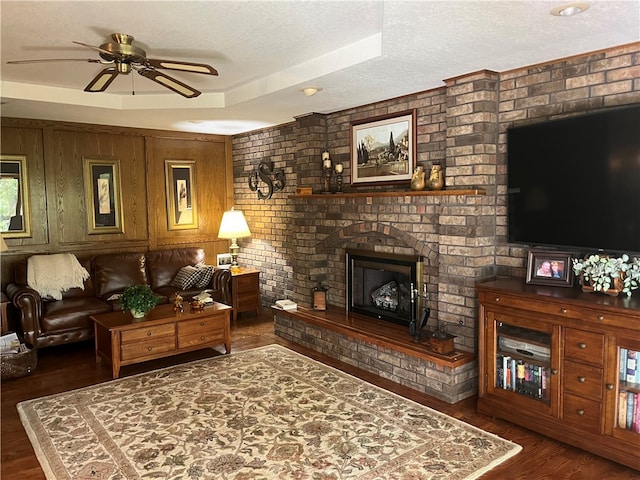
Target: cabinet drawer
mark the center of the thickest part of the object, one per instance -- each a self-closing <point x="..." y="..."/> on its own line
<point x="201" y="325"/>
<point x="582" y="413"/>
<point x="581" y="346"/>
<point x="559" y="309"/>
<point x="146" y="348"/>
<point x="148" y="332"/>
<point x="583" y="380"/>
<point x="548" y="307"/>
<point x="246" y="283"/>
<point x="210" y="337"/>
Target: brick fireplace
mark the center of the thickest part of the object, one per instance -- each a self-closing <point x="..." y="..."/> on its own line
<point x="408" y="225"/>
<point x="454" y="230"/>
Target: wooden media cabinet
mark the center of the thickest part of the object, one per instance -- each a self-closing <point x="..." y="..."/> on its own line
<point x="551" y="359"/>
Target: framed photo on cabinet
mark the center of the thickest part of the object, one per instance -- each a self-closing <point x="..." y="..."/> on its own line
<point x="549" y="268"/>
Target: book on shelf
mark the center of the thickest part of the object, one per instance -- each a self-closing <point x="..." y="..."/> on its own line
<point x="286" y="304"/>
<point x="622" y="409"/>
<point x="622" y="372"/>
<point x="499" y="371"/>
<point x="632" y="366"/>
<point x="636" y="413"/>
<point x="506" y="362"/>
<point x="631" y="399"/>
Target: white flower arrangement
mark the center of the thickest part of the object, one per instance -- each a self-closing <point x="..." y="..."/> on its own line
<point x="601" y="272"/>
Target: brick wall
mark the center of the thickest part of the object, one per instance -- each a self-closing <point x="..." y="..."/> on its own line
<point x="298" y="242"/>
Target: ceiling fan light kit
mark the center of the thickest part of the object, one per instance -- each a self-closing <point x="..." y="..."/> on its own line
<point x="126" y="57"/>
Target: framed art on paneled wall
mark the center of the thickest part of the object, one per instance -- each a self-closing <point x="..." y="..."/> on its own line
<point x="15" y="214"/>
<point x="182" y="208"/>
<point x="102" y="196"/>
<point x="383" y="149"/>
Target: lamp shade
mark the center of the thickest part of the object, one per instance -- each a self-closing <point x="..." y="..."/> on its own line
<point x="233" y="225"/>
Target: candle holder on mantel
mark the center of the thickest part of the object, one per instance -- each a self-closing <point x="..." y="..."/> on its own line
<point x="338" y="169"/>
<point x="326" y="168"/>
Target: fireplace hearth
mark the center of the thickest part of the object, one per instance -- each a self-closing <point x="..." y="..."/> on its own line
<point x="384" y="286"/>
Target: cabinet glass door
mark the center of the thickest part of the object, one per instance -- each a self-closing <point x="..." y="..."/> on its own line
<point x="627" y="412"/>
<point x="521" y="363"/>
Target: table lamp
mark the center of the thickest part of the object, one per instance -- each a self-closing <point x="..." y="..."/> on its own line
<point x="233" y="226"/>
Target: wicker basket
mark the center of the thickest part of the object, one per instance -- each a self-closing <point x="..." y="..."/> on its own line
<point x="15" y="365"/>
<point x="617" y="285"/>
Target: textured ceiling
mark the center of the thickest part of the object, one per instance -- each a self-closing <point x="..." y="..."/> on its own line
<point x="358" y="52"/>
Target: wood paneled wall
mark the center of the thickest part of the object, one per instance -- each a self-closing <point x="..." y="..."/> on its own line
<point x="55" y="154"/>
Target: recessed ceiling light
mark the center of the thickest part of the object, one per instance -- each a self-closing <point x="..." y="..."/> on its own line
<point x="570" y="9"/>
<point x="311" y="91"/>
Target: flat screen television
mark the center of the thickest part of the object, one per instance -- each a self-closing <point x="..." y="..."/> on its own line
<point x="575" y="182"/>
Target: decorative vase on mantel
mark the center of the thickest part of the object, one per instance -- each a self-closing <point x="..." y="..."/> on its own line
<point x="436" y="180"/>
<point x="418" y="181"/>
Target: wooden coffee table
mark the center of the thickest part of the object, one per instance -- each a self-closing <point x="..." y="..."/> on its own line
<point x="124" y="340"/>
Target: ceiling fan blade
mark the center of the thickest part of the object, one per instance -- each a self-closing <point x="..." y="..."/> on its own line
<point x="182" y="66"/>
<point x="101" y="50"/>
<point x="46" y="60"/>
<point x="102" y="81"/>
<point x="171" y="83"/>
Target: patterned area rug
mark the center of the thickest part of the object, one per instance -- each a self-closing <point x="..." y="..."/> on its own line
<point x="267" y="413"/>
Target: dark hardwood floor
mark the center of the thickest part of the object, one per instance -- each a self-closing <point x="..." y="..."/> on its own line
<point x="73" y="366"/>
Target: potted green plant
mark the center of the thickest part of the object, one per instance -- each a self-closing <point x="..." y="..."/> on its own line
<point x="139" y="300"/>
<point x="609" y="275"/>
<point x="632" y="276"/>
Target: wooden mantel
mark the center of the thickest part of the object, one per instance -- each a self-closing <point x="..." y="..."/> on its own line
<point x="407" y="193"/>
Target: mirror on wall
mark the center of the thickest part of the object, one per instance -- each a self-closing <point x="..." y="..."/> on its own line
<point x="15" y="216"/>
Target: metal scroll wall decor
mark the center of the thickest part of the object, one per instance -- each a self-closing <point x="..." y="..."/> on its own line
<point x="273" y="178"/>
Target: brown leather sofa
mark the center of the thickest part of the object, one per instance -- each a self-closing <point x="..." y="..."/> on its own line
<point x="46" y="322"/>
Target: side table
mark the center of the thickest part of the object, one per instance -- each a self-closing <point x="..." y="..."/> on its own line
<point x="245" y="291"/>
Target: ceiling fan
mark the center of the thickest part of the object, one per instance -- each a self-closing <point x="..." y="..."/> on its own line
<point x="123" y="57"/>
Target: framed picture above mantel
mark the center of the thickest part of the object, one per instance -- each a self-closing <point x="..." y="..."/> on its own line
<point x="383" y="149"/>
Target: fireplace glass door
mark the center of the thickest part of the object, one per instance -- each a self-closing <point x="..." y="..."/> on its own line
<point x="380" y="285"/>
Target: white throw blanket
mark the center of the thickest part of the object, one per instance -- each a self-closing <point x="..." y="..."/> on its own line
<point x="50" y="275"/>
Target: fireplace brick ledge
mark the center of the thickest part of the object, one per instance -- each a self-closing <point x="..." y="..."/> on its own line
<point x="382" y="348"/>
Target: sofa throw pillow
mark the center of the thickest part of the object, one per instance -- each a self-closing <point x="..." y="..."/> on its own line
<point x="186" y="277"/>
<point x="206" y="273"/>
